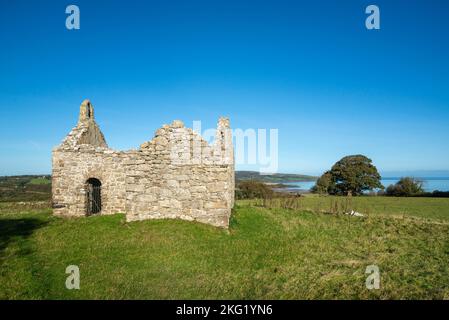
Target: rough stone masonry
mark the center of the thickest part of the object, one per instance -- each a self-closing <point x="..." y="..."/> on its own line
<point x="175" y="175"/>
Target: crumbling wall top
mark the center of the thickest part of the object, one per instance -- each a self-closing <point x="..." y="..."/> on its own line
<point x="86" y="112"/>
<point x="87" y="133"/>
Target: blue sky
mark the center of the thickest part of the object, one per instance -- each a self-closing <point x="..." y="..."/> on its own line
<point x="310" y="69"/>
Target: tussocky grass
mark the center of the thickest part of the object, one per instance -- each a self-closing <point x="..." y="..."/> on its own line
<point x="266" y="254"/>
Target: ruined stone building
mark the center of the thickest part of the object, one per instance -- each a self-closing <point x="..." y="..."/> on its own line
<point x="175" y="175"/>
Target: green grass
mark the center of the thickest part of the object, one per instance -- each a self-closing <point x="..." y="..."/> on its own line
<point x="432" y="208"/>
<point x="40" y="181"/>
<point x="266" y="254"/>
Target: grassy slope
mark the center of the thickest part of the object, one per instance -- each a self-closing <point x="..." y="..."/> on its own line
<point x="266" y="254"/>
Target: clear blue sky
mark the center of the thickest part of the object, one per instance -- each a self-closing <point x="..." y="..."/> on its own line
<point x="309" y="68"/>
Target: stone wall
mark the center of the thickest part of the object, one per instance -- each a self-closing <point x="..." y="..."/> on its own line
<point x="175" y="175"/>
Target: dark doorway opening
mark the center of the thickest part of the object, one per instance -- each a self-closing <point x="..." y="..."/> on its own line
<point x="93" y="196"/>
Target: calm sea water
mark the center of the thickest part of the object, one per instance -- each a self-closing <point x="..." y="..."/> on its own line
<point x="430" y="184"/>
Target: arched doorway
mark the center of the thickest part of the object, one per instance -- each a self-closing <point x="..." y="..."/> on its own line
<point x="93" y="196"/>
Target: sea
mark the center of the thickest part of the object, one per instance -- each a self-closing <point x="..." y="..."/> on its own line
<point x="430" y="184"/>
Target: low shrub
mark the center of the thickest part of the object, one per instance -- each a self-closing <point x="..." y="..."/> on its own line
<point x="406" y="187"/>
<point x="253" y="189"/>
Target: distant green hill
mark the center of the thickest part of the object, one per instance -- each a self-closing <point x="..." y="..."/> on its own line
<point x="275" y="178"/>
<point x="25" y="188"/>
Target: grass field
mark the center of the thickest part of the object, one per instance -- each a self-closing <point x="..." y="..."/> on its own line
<point x="266" y="254"/>
<point x="427" y="208"/>
<point x="40" y="181"/>
<point x="25" y="188"/>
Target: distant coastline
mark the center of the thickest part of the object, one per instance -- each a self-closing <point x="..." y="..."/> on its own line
<point x="430" y="184"/>
<point x="273" y="178"/>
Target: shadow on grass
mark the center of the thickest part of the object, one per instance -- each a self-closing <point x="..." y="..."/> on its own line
<point x="17" y="230"/>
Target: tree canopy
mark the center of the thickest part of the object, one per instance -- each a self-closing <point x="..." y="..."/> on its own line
<point x="352" y="175"/>
<point x="406" y="186"/>
<point x="253" y="189"/>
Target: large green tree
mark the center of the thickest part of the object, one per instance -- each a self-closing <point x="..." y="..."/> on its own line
<point x="324" y="184"/>
<point x="352" y="175"/>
